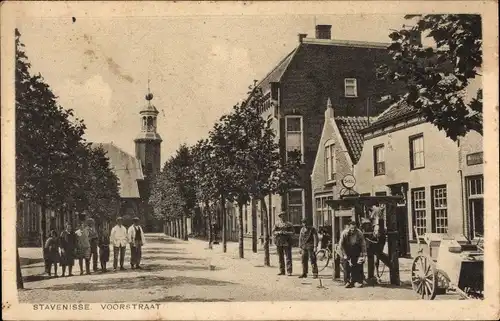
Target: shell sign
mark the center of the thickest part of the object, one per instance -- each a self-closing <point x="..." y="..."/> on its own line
<point x="348" y="181"/>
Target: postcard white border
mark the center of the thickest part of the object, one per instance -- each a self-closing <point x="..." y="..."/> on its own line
<point x="354" y="310"/>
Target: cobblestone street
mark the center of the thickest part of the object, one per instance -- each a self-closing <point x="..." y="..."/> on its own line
<point x="182" y="271"/>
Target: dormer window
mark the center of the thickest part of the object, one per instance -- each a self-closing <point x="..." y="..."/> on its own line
<point x="351" y="87"/>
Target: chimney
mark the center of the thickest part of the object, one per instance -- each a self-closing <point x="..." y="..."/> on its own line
<point x="323" y="31"/>
<point x="302" y="36"/>
<point x="329" y="113"/>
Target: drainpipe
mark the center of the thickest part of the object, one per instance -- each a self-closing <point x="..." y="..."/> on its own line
<point x="462" y="191"/>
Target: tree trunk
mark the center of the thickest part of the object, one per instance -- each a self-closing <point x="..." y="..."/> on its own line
<point x="184" y="222"/>
<point x="241" y="248"/>
<point x="19" y="275"/>
<point x="209" y="215"/>
<point x="254" y="225"/>
<point x="224" y="223"/>
<point x="265" y="222"/>
<point x="176" y="228"/>
<point x="43" y="225"/>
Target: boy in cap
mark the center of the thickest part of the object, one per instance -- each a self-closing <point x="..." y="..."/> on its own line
<point x="283" y="232"/>
<point x="119" y="239"/>
<point x="137" y="240"/>
<point x="308" y="244"/>
<point x="94" y="240"/>
<point x="353" y="249"/>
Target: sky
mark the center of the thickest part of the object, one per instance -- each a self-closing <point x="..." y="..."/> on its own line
<point x="199" y="66"/>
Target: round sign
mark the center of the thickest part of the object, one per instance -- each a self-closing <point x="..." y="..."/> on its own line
<point x="348" y="181"/>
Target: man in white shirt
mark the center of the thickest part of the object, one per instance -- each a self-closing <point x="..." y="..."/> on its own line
<point x="137" y="240"/>
<point x="119" y="239"/>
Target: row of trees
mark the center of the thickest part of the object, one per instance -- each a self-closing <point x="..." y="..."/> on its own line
<point x="239" y="161"/>
<point x="55" y="167"/>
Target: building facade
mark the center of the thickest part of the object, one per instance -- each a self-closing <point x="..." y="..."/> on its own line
<point x="339" y="150"/>
<point x="297" y="90"/>
<point x="405" y="155"/>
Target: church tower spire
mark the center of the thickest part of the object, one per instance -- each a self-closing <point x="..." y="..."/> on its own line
<point x="148" y="141"/>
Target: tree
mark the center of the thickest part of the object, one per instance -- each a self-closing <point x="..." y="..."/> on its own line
<point x="48" y="143"/>
<point x="182" y="167"/>
<point x="102" y="186"/>
<point x="437" y="78"/>
<point x="202" y="152"/>
<point x="166" y="198"/>
<point x="267" y="171"/>
<point x="220" y="171"/>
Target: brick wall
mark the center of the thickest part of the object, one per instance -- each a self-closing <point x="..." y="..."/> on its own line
<point x="316" y="73"/>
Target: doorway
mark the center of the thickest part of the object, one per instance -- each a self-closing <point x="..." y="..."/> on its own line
<point x="476" y="217"/>
<point x="475" y="192"/>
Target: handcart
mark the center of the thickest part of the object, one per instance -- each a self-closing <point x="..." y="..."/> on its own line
<point x="456" y="268"/>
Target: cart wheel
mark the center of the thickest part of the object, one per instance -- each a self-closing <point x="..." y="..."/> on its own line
<point x="424" y="277"/>
<point x="323" y="258"/>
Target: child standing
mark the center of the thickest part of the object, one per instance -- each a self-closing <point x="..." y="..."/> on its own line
<point x="103" y="249"/>
<point x="52" y="252"/>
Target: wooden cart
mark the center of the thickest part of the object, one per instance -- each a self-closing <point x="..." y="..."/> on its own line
<point x="457" y="268"/>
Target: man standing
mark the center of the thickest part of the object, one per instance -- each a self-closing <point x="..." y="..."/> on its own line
<point x="283" y="232"/>
<point x="94" y="240"/>
<point x="118" y="237"/>
<point x="353" y="248"/>
<point x="137" y="240"/>
<point x="308" y="244"/>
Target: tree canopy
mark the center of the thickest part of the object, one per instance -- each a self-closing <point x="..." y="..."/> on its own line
<point x="55" y="166"/>
<point x="438" y="77"/>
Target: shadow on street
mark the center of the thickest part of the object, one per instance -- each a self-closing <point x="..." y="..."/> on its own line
<point x="179" y="298"/>
<point x="139" y="282"/>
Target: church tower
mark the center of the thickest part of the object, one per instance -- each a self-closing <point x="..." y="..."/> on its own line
<point x="148" y="142"/>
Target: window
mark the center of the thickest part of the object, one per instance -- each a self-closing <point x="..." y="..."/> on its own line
<point x="351" y="87"/>
<point x="378" y="160"/>
<point x="475" y="191"/>
<point x="330" y="162"/>
<point x="419" y="211"/>
<point x="439" y="209"/>
<point x="417" y="152"/>
<point x="294" y="135"/>
<point x="295" y="206"/>
<point x="324" y="212"/>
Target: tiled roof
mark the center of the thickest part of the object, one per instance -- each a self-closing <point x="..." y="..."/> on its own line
<point x="397" y="110"/>
<point x="277" y="72"/>
<point x="126" y="167"/>
<point x="349" y="128"/>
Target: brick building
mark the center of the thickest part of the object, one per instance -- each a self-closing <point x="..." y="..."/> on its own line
<point x="297" y="90"/>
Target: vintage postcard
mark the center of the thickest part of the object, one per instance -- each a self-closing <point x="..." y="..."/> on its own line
<point x="250" y="160"/>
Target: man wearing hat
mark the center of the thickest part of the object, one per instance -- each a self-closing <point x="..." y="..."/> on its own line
<point x="283" y="232"/>
<point x="137" y="240"/>
<point x="308" y="244"/>
<point x="353" y="249"/>
<point x="119" y="239"/>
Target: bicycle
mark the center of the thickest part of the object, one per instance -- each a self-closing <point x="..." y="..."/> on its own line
<point x="324" y="256"/>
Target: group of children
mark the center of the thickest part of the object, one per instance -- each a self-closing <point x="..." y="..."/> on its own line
<point x="78" y="245"/>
